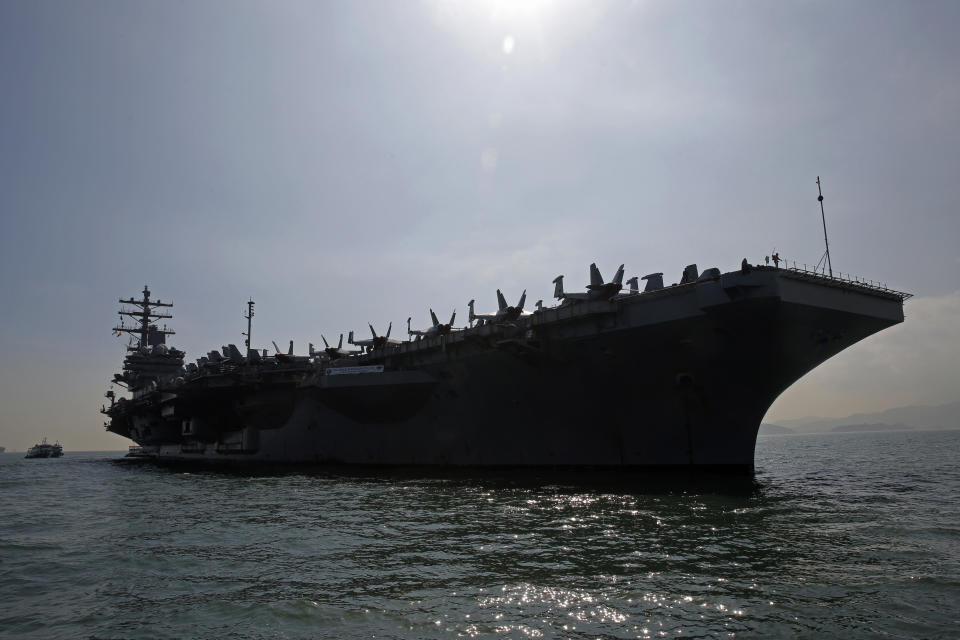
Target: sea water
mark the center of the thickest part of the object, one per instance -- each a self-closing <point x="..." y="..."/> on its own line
<point x="838" y="535"/>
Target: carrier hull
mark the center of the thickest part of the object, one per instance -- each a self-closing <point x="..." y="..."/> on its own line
<point x="678" y="377"/>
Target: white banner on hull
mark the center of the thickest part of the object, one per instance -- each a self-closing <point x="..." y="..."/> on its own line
<point x="346" y="371"/>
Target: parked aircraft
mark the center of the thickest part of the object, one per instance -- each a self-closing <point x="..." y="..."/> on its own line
<point x="376" y="342"/>
<point x="438" y="329"/>
<point x="505" y="313"/>
<point x="338" y="351"/>
<point x="596" y="290"/>
<point x="289" y="350"/>
<point x="288" y="356"/>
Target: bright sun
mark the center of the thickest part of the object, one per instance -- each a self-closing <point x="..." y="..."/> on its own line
<point x="513" y="23"/>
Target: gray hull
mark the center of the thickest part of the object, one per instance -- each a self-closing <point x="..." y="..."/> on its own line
<point x="678" y="377"/>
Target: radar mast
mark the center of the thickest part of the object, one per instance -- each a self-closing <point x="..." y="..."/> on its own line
<point x="146" y="333"/>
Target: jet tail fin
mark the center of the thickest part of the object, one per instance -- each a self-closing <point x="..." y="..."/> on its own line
<point x="472" y="315"/>
<point x="618" y="279"/>
<point x="290" y="350"/>
<point x="325" y="343"/>
<point x="371" y="330"/>
<point x="433" y="317"/>
<point x="235" y="354"/>
<point x="596" y="280"/>
<point x="501" y="300"/>
<point x="275" y="346"/>
<point x="523" y="300"/>
<point x="453" y="316"/>
<point x="558" y="287"/>
<point x="349" y="338"/>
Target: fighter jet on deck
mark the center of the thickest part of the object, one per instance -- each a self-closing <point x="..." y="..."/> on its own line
<point x="438" y="329"/>
<point x="337" y="351"/>
<point x="376" y="342"/>
<point x="596" y="290"/>
<point x="505" y="313"/>
<point x="288" y="356"/>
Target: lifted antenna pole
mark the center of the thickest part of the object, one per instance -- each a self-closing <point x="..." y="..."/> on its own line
<point x="249" y="317"/>
<point x="824" y="218"/>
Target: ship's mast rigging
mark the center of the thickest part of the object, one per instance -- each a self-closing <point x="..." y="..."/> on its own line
<point x="144" y="314"/>
<point x="249" y="317"/>
<point x="823" y="217"/>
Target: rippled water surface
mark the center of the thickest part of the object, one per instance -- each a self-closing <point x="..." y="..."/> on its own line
<point x="853" y="535"/>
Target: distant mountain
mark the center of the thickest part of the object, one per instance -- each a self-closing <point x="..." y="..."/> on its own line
<point x="944" y="416"/>
<point x="847" y="428"/>
<point x="774" y="430"/>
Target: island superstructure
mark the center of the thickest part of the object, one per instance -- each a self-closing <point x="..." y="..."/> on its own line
<point x="676" y="375"/>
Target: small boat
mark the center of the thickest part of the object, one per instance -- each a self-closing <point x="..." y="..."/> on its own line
<point x="45" y="450"/>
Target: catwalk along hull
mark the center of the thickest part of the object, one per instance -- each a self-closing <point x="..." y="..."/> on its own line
<point x="676" y="377"/>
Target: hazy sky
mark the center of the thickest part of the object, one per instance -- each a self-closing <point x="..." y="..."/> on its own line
<point x="346" y="162"/>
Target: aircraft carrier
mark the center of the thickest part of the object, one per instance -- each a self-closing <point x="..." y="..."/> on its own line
<point x="667" y="376"/>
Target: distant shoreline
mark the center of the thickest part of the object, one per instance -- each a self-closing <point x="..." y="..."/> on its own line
<point x="777" y="430"/>
<point x="851" y="428"/>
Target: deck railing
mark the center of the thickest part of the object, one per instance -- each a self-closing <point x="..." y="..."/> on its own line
<point x="843" y="279"/>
